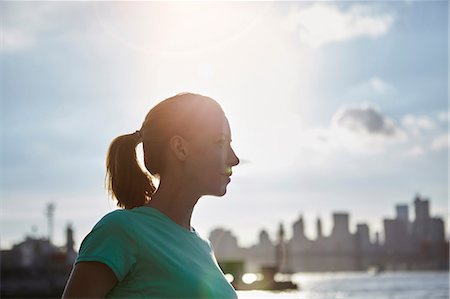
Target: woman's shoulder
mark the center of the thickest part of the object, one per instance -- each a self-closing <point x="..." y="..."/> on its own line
<point x="119" y="218"/>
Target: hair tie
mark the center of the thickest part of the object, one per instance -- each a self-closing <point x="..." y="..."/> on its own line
<point x="138" y="134"/>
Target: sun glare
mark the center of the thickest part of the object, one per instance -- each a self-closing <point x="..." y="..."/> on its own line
<point x="249" y="278"/>
<point x="177" y="27"/>
<point x="229" y="277"/>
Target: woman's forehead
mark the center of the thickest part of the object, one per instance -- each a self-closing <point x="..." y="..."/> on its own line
<point x="215" y="125"/>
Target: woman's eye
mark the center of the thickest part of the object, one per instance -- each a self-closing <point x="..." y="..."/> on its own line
<point x="222" y="143"/>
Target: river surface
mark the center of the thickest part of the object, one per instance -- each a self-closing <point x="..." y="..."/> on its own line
<point x="357" y="285"/>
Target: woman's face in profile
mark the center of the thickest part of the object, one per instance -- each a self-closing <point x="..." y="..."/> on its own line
<point x="211" y="156"/>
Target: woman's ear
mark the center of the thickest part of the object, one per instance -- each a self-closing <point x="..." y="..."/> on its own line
<point x="179" y="147"/>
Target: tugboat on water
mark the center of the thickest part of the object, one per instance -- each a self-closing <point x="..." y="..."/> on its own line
<point x="267" y="281"/>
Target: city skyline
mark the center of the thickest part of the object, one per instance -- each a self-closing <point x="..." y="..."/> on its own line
<point x="271" y="233"/>
<point x="401" y="237"/>
<point x="409" y="244"/>
<point x="371" y="234"/>
<point x="332" y="105"/>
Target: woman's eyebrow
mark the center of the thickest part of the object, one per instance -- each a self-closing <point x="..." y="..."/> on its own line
<point x="227" y="137"/>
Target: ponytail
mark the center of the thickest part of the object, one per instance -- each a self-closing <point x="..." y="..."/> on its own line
<point x="125" y="180"/>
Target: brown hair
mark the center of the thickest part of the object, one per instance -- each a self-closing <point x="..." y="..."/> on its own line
<point x="126" y="181"/>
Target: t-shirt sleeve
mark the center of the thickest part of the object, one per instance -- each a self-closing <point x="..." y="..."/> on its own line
<point x="111" y="243"/>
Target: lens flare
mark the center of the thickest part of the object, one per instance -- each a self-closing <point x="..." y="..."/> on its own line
<point x="229" y="171"/>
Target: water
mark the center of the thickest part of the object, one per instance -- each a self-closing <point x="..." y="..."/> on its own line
<point x="357" y="285"/>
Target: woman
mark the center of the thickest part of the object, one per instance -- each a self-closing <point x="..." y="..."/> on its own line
<point x="149" y="249"/>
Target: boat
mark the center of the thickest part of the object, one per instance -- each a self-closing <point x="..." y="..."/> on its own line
<point x="266" y="280"/>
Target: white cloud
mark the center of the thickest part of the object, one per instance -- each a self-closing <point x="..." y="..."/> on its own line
<point x="364" y="119"/>
<point x="422" y="129"/>
<point x="364" y="129"/>
<point x="26" y="22"/>
<point x="415" y="151"/>
<point x="443" y="116"/>
<point x="440" y="143"/>
<point x="415" y="124"/>
<point x="374" y="88"/>
<point x="15" y="39"/>
<point x="320" y="24"/>
<point x="359" y="129"/>
<point x="379" y="85"/>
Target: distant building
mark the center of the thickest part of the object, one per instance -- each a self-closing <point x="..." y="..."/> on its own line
<point x="299" y="242"/>
<point x="363" y="238"/>
<point x="421" y="224"/>
<point x="225" y="245"/>
<point x="281" y="252"/>
<point x="341" y="239"/>
<point x="402" y="213"/>
<point x="319" y="228"/>
<point x="419" y="244"/>
<point x="36" y="268"/>
<point x="396" y="237"/>
<point x="263" y="254"/>
<point x="436" y="230"/>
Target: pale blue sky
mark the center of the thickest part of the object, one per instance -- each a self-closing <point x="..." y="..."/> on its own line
<point x="334" y="106"/>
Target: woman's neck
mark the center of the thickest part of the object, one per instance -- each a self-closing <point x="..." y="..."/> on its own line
<point x="175" y="201"/>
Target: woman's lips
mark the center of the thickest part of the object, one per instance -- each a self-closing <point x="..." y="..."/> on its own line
<point x="227" y="176"/>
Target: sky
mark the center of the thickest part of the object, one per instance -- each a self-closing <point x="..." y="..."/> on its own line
<point x="333" y="106"/>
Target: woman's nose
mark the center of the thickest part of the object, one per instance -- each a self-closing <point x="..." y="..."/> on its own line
<point x="234" y="160"/>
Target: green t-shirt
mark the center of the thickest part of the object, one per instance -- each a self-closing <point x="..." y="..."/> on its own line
<point x="153" y="257"/>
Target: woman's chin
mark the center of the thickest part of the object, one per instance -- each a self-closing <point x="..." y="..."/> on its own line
<point x="219" y="192"/>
